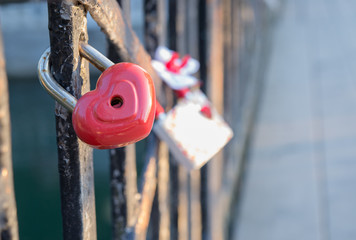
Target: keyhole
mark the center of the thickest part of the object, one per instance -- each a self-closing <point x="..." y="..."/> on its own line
<point x="116" y="102"/>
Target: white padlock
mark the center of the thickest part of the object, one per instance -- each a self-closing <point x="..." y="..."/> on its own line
<point x="193" y="130"/>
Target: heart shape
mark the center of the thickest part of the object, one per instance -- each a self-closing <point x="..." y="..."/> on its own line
<point x="121" y="109"/>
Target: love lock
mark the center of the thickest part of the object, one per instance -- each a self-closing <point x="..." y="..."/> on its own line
<point x="121" y="109"/>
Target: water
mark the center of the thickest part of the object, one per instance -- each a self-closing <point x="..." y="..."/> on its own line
<point x="35" y="165"/>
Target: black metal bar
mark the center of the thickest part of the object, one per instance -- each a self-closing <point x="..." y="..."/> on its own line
<point x="203" y="76"/>
<point x="8" y="216"/>
<point x="124" y="201"/>
<point x="155" y="35"/>
<point x="184" y="205"/>
<point x="67" y="26"/>
<point x="123" y="177"/>
<point x="152" y="25"/>
<point x="151" y="36"/>
<point x="118" y="189"/>
<point x="173" y="191"/>
<point x="202" y="34"/>
<point x="191" y="39"/>
<point x="173" y="166"/>
<point x="172" y="28"/>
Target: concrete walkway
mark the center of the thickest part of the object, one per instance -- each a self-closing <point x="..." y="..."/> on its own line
<point x="300" y="180"/>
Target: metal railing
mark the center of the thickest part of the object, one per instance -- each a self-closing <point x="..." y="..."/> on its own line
<point x="167" y="201"/>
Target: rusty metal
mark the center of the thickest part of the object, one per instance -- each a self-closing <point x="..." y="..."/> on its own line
<point x="8" y="217"/>
<point x="155" y="35"/>
<point x="147" y="188"/>
<point x="67" y="27"/>
<point x="57" y="91"/>
<point x="118" y="30"/>
<point x="124" y="196"/>
<point x="183" y="204"/>
<point x="163" y="192"/>
<point x="197" y="27"/>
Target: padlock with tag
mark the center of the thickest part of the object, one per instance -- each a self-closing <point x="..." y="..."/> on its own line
<point x="193" y="129"/>
<point x="121" y="109"/>
<point x="175" y="72"/>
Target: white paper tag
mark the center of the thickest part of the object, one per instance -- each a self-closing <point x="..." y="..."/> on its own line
<point x="193" y="130"/>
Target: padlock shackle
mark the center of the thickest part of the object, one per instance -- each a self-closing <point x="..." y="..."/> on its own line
<point x="52" y="87"/>
<point x="94" y="56"/>
<point x="57" y="91"/>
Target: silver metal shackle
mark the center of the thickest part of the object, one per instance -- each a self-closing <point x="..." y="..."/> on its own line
<point x="51" y="86"/>
<point x="94" y="57"/>
<point x="57" y="91"/>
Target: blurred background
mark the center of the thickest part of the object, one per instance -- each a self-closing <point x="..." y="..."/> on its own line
<point x="299" y="173"/>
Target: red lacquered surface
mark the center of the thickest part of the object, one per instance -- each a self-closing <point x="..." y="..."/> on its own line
<point x="121" y="109"/>
<point x="181" y="92"/>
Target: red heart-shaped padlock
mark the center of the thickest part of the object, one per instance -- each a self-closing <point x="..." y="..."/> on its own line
<point x="121" y="109"/>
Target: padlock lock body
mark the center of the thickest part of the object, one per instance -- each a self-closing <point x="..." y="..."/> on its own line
<point x="193" y="130"/>
<point x="121" y="109"/>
